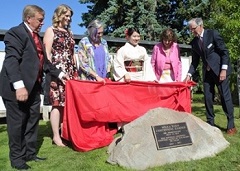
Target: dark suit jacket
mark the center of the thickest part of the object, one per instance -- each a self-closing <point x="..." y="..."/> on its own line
<point x="21" y="62"/>
<point x="215" y="53"/>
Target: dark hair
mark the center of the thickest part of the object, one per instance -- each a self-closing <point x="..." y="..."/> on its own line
<point x="130" y="31"/>
<point x="168" y="34"/>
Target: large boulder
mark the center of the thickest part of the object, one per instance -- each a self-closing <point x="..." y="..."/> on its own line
<point x="137" y="148"/>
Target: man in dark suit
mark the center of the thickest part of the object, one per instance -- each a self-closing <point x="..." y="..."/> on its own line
<point x="209" y="46"/>
<point x="20" y="85"/>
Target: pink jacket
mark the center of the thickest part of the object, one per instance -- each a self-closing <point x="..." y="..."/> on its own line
<point x="158" y="61"/>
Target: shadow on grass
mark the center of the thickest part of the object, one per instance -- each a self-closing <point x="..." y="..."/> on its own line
<point x="3" y="129"/>
<point x="221" y="128"/>
<point x="45" y="130"/>
<point x="200" y="111"/>
<point x="3" y="122"/>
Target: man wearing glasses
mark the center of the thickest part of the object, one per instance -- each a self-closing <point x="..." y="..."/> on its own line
<point x="209" y="46"/>
<point x="20" y="86"/>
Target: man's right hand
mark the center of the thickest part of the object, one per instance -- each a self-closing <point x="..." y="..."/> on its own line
<point x="22" y="94"/>
<point x="188" y="78"/>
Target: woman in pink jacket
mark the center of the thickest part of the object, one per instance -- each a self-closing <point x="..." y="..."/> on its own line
<point x="166" y="61"/>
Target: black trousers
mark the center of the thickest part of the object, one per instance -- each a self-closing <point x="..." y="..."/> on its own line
<point x="211" y="80"/>
<point x="22" y="127"/>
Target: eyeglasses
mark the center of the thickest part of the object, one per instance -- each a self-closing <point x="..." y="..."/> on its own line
<point x="192" y="29"/>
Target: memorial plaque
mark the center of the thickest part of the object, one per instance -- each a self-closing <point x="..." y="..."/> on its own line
<point x="171" y="135"/>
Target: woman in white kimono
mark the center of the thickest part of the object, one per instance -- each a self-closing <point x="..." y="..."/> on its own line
<point x="130" y="61"/>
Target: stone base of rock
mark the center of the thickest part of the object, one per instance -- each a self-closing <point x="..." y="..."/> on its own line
<point x="137" y="149"/>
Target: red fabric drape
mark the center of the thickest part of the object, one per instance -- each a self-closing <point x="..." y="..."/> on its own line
<point x="89" y="106"/>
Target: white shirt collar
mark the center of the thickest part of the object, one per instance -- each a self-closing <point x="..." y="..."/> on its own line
<point x="28" y="27"/>
<point x="202" y="34"/>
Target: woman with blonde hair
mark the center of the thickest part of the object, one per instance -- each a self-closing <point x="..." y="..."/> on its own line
<point x="59" y="44"/>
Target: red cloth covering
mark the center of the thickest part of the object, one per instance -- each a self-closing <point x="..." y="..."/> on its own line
<point x="89" y="106"/>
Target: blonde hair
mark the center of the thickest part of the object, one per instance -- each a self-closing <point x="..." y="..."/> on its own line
<point x="30" y="11"/>
<point x="58" y="15"/>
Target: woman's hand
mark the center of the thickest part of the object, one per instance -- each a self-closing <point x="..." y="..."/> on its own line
<point x="127" y="78"/>
<point x="65" y="78"/>
<point x="100" y="79"/>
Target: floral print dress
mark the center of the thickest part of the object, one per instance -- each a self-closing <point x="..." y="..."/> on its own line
<point x="62" y="58"/>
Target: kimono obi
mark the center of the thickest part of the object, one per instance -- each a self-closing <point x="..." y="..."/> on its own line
<point x="133" y="66"/>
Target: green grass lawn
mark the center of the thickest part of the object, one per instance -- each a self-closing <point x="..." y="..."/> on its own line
<point x="63" y="159"/>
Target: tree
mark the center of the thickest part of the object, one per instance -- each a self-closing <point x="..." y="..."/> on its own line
<point x="150" y="16"/>
<point x="176" y="13"/>
<point x="225" y="17"/>
<point x="96" y="7"/>
<point x="120" y="14"/>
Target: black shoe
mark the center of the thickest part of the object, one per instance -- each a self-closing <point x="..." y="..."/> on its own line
<point x="37" y="159"/>
<point x="22" y="167"/>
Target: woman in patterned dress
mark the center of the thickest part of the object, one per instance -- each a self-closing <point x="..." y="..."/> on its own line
<point x="59" y="44"/>
<point x="94" y="59"/>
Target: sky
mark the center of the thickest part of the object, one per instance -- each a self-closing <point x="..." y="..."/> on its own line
<point x="11" y="13"/>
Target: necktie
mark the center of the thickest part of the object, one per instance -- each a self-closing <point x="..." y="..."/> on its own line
<point x="201" y="47"/>
<point x="40" y="54"/>
<point x="201" y="43"/>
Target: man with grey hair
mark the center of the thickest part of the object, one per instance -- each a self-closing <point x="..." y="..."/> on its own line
<point x="209" y="46"/>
